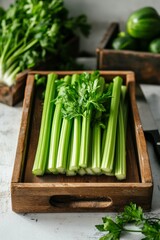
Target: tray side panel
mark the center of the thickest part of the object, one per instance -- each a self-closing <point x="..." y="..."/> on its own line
<point x="77" y="198"/>
<point x="144" y="163"/>
<point x="23" y="134"/>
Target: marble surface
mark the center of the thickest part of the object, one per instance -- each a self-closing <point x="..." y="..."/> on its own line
<point x="59" y="226"/>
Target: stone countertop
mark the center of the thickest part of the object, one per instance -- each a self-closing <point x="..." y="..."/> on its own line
<point x="59" y="226"/>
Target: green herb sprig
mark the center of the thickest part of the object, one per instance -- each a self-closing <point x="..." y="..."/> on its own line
<point x="149" y="227"/>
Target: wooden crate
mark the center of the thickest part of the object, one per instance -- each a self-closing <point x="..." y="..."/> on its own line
<point x="60" y="193"/>
<point x="145" y="65"/>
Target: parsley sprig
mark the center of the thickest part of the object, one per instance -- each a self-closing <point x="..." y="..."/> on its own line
<point x="149" y="227"/>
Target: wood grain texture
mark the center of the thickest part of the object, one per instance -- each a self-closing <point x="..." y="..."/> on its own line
<point x="145" y="65"/>
<point x="60" y="193"/>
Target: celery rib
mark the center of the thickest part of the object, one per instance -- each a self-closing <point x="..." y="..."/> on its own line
<point x="109" y="147"/>
<point x="74" y="157"/>
<point x="55" y="133"/>
<point x="120" y="166"/>
<point x="44" y="137"/>
<point x="61" y="163"/>
<point x="96" y="149"/>
<point x="84" y="147"/>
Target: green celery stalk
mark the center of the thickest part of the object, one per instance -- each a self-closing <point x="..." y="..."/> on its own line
<point x="125" y="107"/>
<point x="88" y="169"/>
<point x="96" y="149"/>
<point x="84" y="147"/>
<point x="76" y="135"/>
<point x="120" y="166"/>
<point x="55" y="133"/>
<point x="109" y="147"/>
<point x="41" y="157"/>
<point x="96" y="136"/>
<point x="61" y="163"/>
<point x="74" y="157"/>
<point x="82" y="171"/>
<point x="63" y="147"/>
<point x="70" y="172"/>
<point x="86" y="120"/>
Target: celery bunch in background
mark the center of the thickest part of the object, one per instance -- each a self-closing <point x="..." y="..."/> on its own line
<point x="31" y="30"/>
<point x="87" y="118"/>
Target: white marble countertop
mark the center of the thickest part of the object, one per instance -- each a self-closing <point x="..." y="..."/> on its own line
<point x="59" y="226"/>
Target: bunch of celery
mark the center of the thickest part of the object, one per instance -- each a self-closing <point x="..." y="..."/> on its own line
<point x="85" y="126"/>
<point x="32" y="30"/>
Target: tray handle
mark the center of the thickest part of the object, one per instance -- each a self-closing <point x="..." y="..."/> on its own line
<point x="69" y="201"/>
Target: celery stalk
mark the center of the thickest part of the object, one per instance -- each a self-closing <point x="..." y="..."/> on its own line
<point x="96" y="136"/>
<point x="74" y="157"/>
<point x="76" y="137"/>
<point x="96" y="149"/>
<point x="84" y="147"/>
<point x="120" y="166"/>
<point x="82" y="171"/>
<point x="61" y="163"/>
<point x="55" y="133"/>
<point x="41" y="157"/>
<point x="70" y="172"/>
<point x="109" y="148"/>
<point x="88" y="169"/>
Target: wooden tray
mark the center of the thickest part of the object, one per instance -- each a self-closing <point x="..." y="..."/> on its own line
<point x="145" y="65"/>
<point x="60" y="193"/>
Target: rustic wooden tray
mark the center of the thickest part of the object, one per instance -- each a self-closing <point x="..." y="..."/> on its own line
<point x="60" y="193"/>
<point x="145" y="65"/>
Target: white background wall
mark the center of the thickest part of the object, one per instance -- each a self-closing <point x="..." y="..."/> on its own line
<point x="100" y="14"/>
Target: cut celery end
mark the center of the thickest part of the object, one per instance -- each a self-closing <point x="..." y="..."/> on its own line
<point x="89" y="171"/>
<point x="52" y="170"/>
<point x="38" y="172"/>
<point x="61" y="170"/>
<point x="121" y="176"/>
<point x="81" y="171"/>
<point x="96" y="170"/>
<point x="107" y="170"/>
<point x="73" y="168"/>
<point x="70" y="173"/>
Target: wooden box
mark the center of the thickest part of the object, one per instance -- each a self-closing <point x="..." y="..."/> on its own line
<point x="145" y="65"/>
<point x="60" y="193"/>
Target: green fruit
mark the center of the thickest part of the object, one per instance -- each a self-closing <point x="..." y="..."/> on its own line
<point x="124" y="43"/>
<point x="144" y="23"/>
<point x="154" y="46"/>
